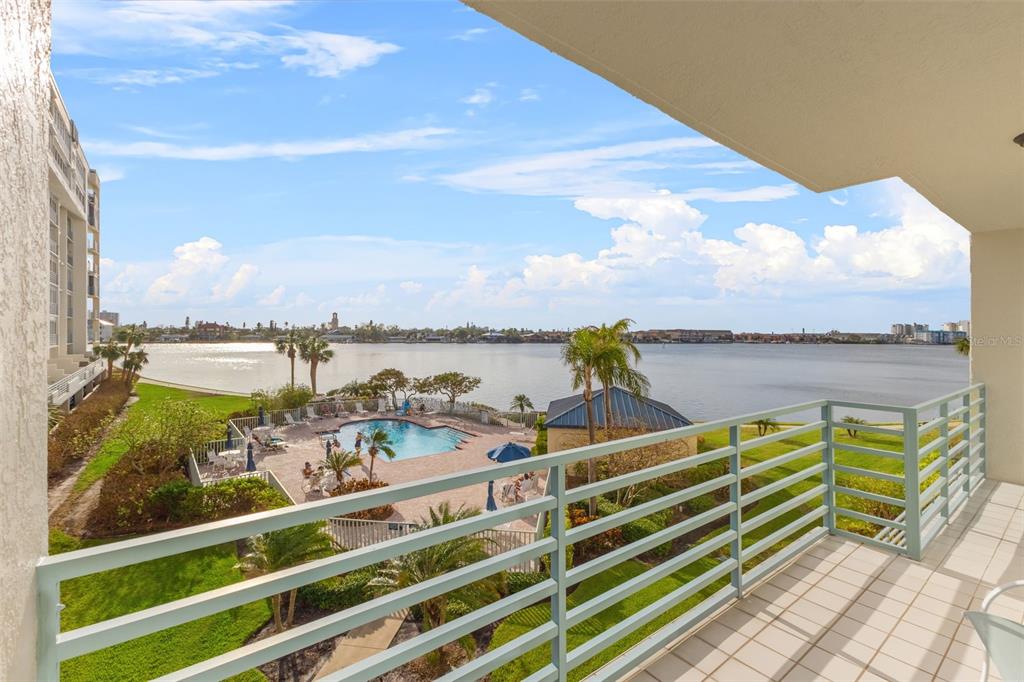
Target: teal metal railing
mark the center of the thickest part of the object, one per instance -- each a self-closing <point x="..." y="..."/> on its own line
<point x="773" y="496"/>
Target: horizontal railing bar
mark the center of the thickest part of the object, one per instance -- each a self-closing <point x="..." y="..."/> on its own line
<point x="956" y="431"/>
<point x="977" y="433"/>
<point x="748" y="524"/>
<point x="977" y="401"/>
<point x="783" y="555"/>
<point x="931" y="445"/>
<point x="133" y="625"/>
<point x="957" y="500"/>
<point x="616" y="670"/>
<point x="632" y="513"/>
<point x="637" y="619"/>
<point x="931" y="491"/>
<point x="781" y="484"/>
<point x="602" y="563"/>
<point x="863" y="450"/>
<point x="599" y="488"/>
<point x="874" y="407"/>
<point x="932" y="511"/>
<point x="932" y="468"/>
<point x="890" y="546"/>
<point x="870" y="473"/>
<point x="975" y="450"/>
<point x="613" y="596"/>
<point x="865" y="495"/>
<point x="955" y="450"/>
<point x="768" y="464"/>
<point x="957" y="465"/>
<point x="976" y="418"/>
<point x="931" y="425"/>
<point x="949" y="396"/>
<point x="869" y="518"/>
<point x="868" y="428"/>
<point x="953" y="414"/>
<point x="548" y="673"/>
<point x="783" y="434"/>
<point x="409" y="650"/>
<point x="933" y="531"/>
<point x="787" y="530"/>
<point x="479" y="667"/>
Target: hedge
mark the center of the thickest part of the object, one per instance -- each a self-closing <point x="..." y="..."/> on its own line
<point x="81" y="429"/>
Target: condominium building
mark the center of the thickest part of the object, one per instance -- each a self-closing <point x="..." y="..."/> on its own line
<point x="74" y="256"/>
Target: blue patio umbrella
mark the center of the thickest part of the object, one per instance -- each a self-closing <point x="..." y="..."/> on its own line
<point x="262" y="417"/>
<point x="491" y="504"/>
<point x="230" y="444"/>
<point x="508" y="452"/>
<point x="250" y="463"/>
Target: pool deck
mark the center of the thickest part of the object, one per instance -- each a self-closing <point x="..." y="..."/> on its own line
<point x="303" y="445"/>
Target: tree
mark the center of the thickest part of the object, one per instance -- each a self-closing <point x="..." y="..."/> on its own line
<point x="614" y="364"/>
<point x="279" y="549"/>
<point x="133" y="363"/>
<point x="963" y="346"/>
<point x="131" y="337"/>
<point x="581" y="353"/>
<point x="391" y="381"/>
<point x="765" y="425"/>
<point x="378" y="441"/>
<point x="289" y="345"/>
<point x="452" y="385"/>
<point x="851" y="430"/>
<point x="313" y="350"/>
<point x="109" y="351"/>
<point x="340" y="461"/>
<point x="440" y="559"/>
<point x="522" y="403"/>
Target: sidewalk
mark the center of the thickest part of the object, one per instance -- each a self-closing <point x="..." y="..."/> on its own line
<point x="363" y="642"/>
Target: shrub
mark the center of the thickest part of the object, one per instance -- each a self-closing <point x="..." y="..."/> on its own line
<point x="79" y="430"/>
<point x="339" y="592"/>
<point x="541" y="445"/>
<point x="596" y="545"/>
<point x="286" y="397"/>
<point x="381" y="513"/>
<point x="639" y="528"/>
<point x="517" y="582"/>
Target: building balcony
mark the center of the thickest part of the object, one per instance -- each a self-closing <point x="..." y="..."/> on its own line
<point x="797" y="551"/>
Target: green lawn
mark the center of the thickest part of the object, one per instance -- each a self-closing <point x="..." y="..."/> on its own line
<point x="522" y="621"/>
<point x="97" y="597"/>
<point x="150" y="398"/>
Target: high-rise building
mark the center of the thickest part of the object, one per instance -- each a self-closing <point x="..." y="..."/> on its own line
<point x="74" y="251"/>
<point x="334" y="320"/>
<point x="112" y="318"/>
<point x="965" y="327"/>
<point x="950" y="327"/>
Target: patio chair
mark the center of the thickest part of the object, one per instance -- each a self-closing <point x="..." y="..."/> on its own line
<point x="359" y="409"/>
<point x="1002" y="637"/>
<point x="289" y="420"/>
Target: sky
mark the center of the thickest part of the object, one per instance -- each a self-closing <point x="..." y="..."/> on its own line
<point x="420" y="164"/>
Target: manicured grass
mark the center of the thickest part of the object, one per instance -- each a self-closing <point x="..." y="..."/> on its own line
<point x="150" y="398"/>
<point x="100" y="596"/>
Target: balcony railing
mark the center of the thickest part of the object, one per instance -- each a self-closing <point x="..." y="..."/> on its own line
<point x="63" y="388"/>
<point x="759" y="526"/>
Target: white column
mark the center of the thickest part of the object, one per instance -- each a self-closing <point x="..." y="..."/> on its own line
<point x="24" y="270"/>
<point x="997" y="346"/>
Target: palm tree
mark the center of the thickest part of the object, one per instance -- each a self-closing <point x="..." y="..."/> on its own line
<point x="765" y="425"/>
<point x="133" y="362"/>
<point x="424" y="564"/>
<point x="131" y="337"/>
<point x="852" y="428"/>
<point x="340" y="461"/>
<point x="379" y="442"/>
<point x="582" y="353"/>
<point x="289" y="345"/>
<point x="109" y="351"/>
<point x="963" y="346"/>
<point x="278" y="549"/>
<point x="314" y="350"/>
<point x="522" y="403"/>
<point x="615" y="364"/>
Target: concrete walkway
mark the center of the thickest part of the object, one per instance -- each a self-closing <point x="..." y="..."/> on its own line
<point x="363" y="642"/>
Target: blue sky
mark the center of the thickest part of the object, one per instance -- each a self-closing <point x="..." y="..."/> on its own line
<point x="417" y="163"/>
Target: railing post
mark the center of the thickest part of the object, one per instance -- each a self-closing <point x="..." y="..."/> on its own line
<point x="559" y="648"/>
<point x="944" y="454"/>
<point x="48" y="627"/>
<point x="912" y="484"/>
<point x="967" y="439"/>
<point x="828" y="456"/>
<point x="982" y="451"/>
<point x="735" y="517"/>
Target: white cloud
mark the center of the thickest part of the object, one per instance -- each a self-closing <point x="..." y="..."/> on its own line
<point x="109" y="173"/>
<point x="411" y="287"/>
<point x="528" y="95"/>
<point x="225" y="291"/>
<point x="191" y="259"/>
<point x="753" y="194"/>
<point x="274" y="297"/>
<point x="841" y="200"/>
<point x="479" y="287"/>
<point x="470" y="34"/>
<point x="416" y="138"/>
<point x="725" y="167"/>
<point x="153" y="132"/>
<point x="364" y="299"/>
<point x="142" y="77"/>
<point x="480" y="97"/>
<point x="331" y="54"/>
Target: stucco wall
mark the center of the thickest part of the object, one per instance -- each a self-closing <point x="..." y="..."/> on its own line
<point x="997" y="345"/>
<point x="25" y="46"/>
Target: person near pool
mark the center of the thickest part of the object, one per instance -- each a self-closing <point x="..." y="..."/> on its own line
<point x="335" y="443"/>
<point x="307" y="470"/>
<point x="359" y="441"/>
<point x="327" y="446"/>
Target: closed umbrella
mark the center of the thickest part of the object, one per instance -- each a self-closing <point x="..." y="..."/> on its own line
<point x="262" y="417"/>
<point x="250" y="463"/>
<point x="509" y="452"/>
<point x="491" y="504"/>
<point x="230" y="444"/>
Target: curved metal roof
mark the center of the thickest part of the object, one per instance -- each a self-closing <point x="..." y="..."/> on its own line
<point x="627" y="410"/>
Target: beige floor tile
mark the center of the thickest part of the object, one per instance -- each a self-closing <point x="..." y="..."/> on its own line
<point x="912" y="654"/>
<point x="742" y="622"/>
<point x="643" y="676"/>
<point x="756" y="606"/>
<point x="892" y="591"/>
<point x="852" y="576"/>
<point x="835" y="643"/>
<point x="670" y="668"/>
<point x="767" y="661"/>
<point x="816" y="613"/>
<point x="835" y="667"/>
<point x="721" y="637"/>
<point x="857" y="631"/>
<point x="783" y="642"/>
<point x="895" y="670"/>
<point x="930" y="621"/>
<point x="873" y="617"/>
<point x="873" y="600"/>
<point x="801" y="674"/>
<point x="839" y="587"/>
<point x="828" y="599"/>
<point x="700" y="654"/>
<point x="922" y="637"/>
<point x="735" y="671"/>
<point x="939" y="607"/>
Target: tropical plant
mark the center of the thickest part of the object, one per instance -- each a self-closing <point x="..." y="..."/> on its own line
<point x="614" y="364"/>
<point x="852" y="422"/>
<point x="391" y="381"/>
<point x="963" y="346"/>
<point x="377" y="442"/>
<point x="451" y="385"/>
<point x="582" y="352"/>
<point x="289" y="345"/>
<point x="110" y="351"/>
<point x="521" y="402"/>
<point x="441" y="559"/>
<point x="766" y="425"/>
<point x="133" y="363"/>
<point x="279" y="549"/>
<point x="340" y="461"/>
<point x="314" y="351"/>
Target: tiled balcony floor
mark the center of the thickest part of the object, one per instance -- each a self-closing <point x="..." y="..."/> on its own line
<point x="846" y="611"/>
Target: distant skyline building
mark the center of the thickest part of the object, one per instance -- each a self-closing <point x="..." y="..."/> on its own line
<point x="334" y="320"/>
<point x="111" y="317"/>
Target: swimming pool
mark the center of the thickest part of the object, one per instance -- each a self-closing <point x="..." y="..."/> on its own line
<point x="408" y="438"/>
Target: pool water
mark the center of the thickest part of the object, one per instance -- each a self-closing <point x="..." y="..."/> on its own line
<point x="408" y="439"/>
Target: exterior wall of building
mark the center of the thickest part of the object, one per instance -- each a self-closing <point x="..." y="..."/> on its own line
<point x="997" y="346"/>
<point x="24" y="142"/>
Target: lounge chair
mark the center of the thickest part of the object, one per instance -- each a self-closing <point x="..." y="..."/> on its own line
<point x="289" y="420"/>
<point x="359" y="409"/>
